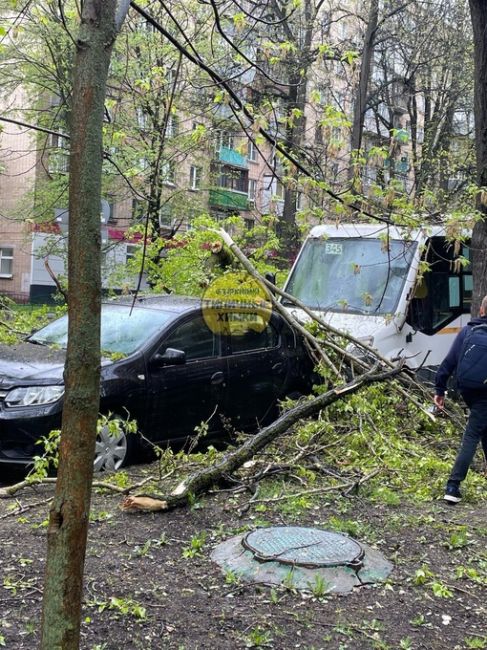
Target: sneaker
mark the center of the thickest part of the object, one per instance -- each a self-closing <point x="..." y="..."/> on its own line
<point x="452" y="494"/>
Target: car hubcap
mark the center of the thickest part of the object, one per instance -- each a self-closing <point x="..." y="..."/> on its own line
<point x="110" y="450"/>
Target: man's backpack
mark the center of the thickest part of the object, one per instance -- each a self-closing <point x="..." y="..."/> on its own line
<point x="472" y="363"/>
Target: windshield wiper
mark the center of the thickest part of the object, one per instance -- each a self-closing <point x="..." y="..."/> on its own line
<point x="37" y="342"/>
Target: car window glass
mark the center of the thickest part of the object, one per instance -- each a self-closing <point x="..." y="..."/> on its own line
<point x="253" y="340"/>
<point x="194" y="338"/>
<point x="123" y="329"/>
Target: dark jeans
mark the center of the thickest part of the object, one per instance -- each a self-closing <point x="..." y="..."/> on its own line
<point x="475" y="432"/>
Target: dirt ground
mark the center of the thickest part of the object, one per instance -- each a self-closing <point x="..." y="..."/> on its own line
<point x="150" y="582"/>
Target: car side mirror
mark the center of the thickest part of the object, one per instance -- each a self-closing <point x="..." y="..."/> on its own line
<point x="170" y="357"/>
<point x="270" y="277"/>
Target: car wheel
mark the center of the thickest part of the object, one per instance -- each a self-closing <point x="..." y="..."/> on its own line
<point x="114" y="449"/>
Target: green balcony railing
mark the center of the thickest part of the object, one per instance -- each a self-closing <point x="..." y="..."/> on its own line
<point x="221" y="198"/>
<point x="232" y="157"/>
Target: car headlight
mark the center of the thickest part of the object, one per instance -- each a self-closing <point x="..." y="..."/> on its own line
<point x="33" y="395"/>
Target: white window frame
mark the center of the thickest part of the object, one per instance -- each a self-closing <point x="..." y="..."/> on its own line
<point x="172" y="126"/>
<point x="252" y="152"/>
<point x="195" y="178"/>
<point x="58" y="160"/>
<point x="279" y="194"/>
<point x="252" y="190"/>
<point x="168" y="170"/>
<point x="142" y="118"/>
<point x="224" y="139"/>
<point x="8" y="257"/>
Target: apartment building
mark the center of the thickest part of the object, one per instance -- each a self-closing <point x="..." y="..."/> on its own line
<point x="18" y="161"/>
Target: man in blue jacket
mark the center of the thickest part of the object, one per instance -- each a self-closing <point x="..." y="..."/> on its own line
<point x="476" y="400"/>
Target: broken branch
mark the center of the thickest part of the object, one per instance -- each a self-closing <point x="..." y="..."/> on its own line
<point x="210" y="476"/>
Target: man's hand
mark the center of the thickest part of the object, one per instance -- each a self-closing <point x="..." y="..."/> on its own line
<point x="439" y="401"/>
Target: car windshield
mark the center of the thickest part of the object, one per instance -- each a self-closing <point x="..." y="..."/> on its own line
<point x="351" y="275"/>
<point x="123" y="330"/>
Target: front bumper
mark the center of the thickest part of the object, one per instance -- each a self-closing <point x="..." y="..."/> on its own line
<point x="20" y="432"/>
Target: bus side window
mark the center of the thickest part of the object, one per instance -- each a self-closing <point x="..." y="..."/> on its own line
<point x="444" y="292"/>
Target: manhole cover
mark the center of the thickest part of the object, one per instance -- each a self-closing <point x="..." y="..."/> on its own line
<point x="306" y="547"/>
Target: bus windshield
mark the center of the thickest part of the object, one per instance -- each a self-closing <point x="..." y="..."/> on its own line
<point x="358" y="275"/>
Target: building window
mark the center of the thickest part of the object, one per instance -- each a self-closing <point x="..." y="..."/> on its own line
<point x="252" y="151"/>
<point x="172" y="126"/>
<point x="252" y="190"/>
<point x="279" y="191"/>
<point x="165" y="215"/>
<point x="224" y="139"/>
<point x="194" y="178"/>
<point x="58" y="162"/>
<point x="130" y="252"/>
<point x="6" y="262"/>
<point x="249" y="224"/>
<point x="171" y="76"/>
<point x="232" y="178"/>
<point x="168" y="170"/>
<point x="141" y="116"/>
<point x="139" y="209"/>
<point x="143" y="164"/>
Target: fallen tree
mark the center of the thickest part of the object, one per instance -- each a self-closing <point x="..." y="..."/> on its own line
<point x="325" y="350"/>
<point x="211" y="476"/>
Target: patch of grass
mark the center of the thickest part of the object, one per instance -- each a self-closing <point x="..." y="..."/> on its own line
<point x="258" y="638"/>
<point x="319" y="587"/>
<point x="352" y="527"/>
<point x="195" y="546"/>
<point x="121" y="606"/>
<point x="459" y="539"/>
<point x="475" y="642"/>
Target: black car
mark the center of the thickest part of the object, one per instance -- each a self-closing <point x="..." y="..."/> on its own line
<point x="162" y="367"/>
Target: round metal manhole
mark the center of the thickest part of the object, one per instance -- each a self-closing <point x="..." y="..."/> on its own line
<point x="305" y="547"/>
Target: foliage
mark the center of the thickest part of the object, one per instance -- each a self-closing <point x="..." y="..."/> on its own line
<point x="18" y="321"/>
<point x="185" y="264"/>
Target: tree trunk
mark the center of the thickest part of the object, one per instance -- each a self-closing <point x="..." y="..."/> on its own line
<point x="68" y="519"/>
<point x="478" y="10"/>
<point x="299" y="65"/>
<point x="363" y="84"/>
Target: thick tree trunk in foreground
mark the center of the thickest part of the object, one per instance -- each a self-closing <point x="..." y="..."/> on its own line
<point x="478" y="10"/>
<point x="68" y="520"/>
<point x="210" y="476"/>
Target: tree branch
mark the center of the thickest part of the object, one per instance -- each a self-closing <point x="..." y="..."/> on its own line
<point x="206" y="478"/>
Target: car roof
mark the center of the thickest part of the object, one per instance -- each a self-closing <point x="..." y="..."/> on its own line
<point x="166" y="302"/>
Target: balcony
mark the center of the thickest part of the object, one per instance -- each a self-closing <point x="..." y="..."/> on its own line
<point x="232" y="158"/>
<point x="222" y="198"/>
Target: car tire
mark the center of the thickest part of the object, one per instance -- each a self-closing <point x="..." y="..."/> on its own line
<point x="112" y="452"/>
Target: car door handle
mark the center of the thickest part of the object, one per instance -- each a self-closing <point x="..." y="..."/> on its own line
<point x="278" y="368"/>
<point x="217" y="379"/>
